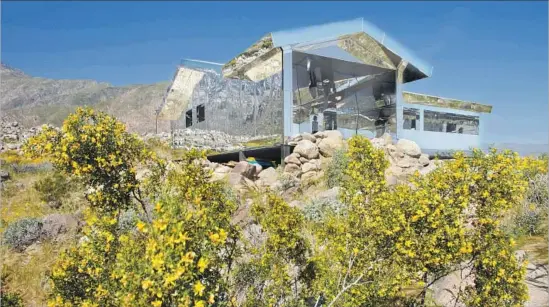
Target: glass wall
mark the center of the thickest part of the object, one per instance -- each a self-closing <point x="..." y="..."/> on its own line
<point x="450" y="122"/>
<point x="411" y="119"/>
<point x="332" y="94"/>
<point x="244" y="109"/>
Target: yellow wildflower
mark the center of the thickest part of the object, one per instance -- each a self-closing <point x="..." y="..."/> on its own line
<point x="198" y="288"/>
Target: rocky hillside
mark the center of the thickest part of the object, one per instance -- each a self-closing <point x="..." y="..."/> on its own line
<point x="34" y="101"/>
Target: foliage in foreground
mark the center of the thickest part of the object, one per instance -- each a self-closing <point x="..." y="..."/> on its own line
<point x="188" y="253"/>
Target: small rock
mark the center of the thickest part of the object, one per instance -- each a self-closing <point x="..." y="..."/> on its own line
<point x="429" y="168"/>
<point x="424" y="160"/>
<point x="409" y="148"/>
<point x="222" y="169"/>
<point x="310" y="166"/>
<point x="303" y="160"/>
<point x="4" y="175"/>
<point x="297" y="138"/>
<point x="293" y="158"/>
<point x="330" y="194"/>
<point x="292" y="168"/>
<point x="404" y="163"/>
<point x="240" y="182"/>
<point x="296" y="204"/>
<point x="307" y="149"/>
<point x="308" y="136"/>
<point x="12" y="146"/>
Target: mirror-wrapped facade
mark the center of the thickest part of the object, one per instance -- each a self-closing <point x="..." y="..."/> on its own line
<point x="345" y="76"/>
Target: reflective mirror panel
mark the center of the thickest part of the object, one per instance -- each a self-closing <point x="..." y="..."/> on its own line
<point x="450" y="123"/>
<point x="332" y="94"/>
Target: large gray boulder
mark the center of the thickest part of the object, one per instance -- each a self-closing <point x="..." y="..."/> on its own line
<point x="54" y="225"/>
<point x="268" y="176"/>
<point x="330" y="144"/>
<point x="409" y="148"/>
<point x="307" y="149"/>
<point x="245" y="169"/>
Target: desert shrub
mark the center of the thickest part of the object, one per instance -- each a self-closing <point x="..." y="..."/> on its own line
<point x="317" y="209"/>
<point x="22" y="233"/>
<point x="288" y="181"/>
<point x="390" y="239"/>
<point x="530" y="218"/>
<point x="178" y="259"/>
<point x="52" y="188"/>
<point x="335" y="171"/>
<point x="11" y="299"/>
<point x="127" y="220"/>
<point x="96" y="149"/>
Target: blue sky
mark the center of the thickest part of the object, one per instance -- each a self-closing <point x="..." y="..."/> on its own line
<point x="490" y="52"/>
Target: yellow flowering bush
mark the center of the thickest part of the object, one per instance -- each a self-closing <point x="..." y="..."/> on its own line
<point x="96" y="148"/>
<point x="411" y="235"/>
<point x="177" y="260"/>
<point x="180" y="259"/>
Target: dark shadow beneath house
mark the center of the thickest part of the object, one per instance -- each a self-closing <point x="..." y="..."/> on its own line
<point x="269" y="153"/>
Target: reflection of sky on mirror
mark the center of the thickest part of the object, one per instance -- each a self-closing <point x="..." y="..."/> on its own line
<point x="491" y="52"/>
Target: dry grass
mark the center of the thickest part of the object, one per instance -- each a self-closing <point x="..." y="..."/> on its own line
<point x="536" y="247"/>
<point x="22" y="202"/>
<point x="28" y="272"/>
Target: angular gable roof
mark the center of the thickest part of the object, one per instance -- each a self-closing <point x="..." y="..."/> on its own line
<point x="357" y="38"/>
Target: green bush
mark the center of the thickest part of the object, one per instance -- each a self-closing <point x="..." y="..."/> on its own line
<point x="11" y="300"/>
<point x="22" y="233"/>
<point x="53" y="187"/>
<point x="335" y="171"/>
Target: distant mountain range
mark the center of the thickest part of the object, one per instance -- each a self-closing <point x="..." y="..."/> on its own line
<point x="33" y="101"/>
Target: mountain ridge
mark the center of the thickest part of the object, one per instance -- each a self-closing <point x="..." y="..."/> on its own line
<point x="34" y="101"/>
